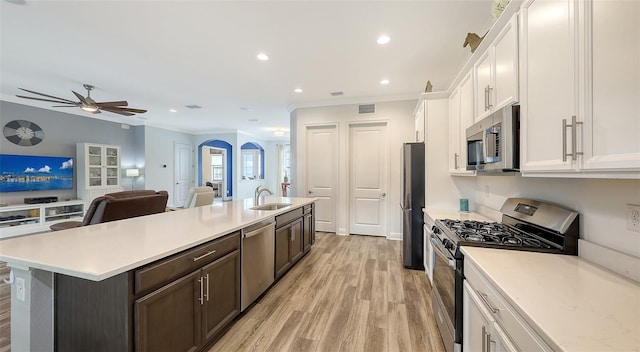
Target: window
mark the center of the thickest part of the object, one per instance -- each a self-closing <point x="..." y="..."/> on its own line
<point x="287" y="161"/>
<point x="252" y="167"/>
<point x="217" y="168"/>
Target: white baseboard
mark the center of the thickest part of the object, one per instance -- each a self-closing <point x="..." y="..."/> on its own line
<point x="397" y="236"/>
<point x="618" y="262"/>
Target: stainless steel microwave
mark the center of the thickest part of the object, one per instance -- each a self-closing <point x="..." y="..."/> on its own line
<point x="493" y="143"/>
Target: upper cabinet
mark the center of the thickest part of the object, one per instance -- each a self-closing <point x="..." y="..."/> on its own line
<point x="580" y="88"/>
<point x="420" y="120"/>
<point x="98" y="170"/>
<point x="496" y="72"/>
<point x="460" y="118"/>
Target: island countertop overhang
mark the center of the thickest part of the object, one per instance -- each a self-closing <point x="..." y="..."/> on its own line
<point x="100" y="251"/>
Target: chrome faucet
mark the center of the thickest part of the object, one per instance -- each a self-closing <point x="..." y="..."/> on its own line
<point x="258" y="192"/>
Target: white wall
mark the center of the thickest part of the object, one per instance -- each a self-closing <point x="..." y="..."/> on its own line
<point x="600" y="202"/>
<point x="399" y="117"/>
<point x="159" y="168"/>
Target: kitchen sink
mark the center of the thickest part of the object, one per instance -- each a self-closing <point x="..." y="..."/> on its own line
<point x="271" y="206"/>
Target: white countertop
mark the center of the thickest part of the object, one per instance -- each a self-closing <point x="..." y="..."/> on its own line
<point x="100" y="251"/>
<point x="453" y="214"/>
<point x="572" y="304"/>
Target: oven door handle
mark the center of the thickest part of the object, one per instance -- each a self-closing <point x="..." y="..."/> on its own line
<point x="450" y="261"/>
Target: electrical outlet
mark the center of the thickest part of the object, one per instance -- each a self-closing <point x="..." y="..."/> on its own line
<point x="20" y="289"/>
<point x="633" y="217"/>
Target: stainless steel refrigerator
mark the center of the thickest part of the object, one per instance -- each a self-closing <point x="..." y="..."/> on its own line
<point x="412" y="202"/>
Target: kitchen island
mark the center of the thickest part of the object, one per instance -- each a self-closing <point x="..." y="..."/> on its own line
<point x="111" y="252"/>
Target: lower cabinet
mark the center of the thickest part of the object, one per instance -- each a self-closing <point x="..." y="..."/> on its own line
<point x="180" y="303"/>
<point x="288" y="246"/>
<point x="199" y="305"/>
<point x="491" y="324"/>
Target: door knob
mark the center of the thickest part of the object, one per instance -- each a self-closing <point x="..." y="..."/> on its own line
<point x="310" y="192"/>
<point x="383" y="194"/>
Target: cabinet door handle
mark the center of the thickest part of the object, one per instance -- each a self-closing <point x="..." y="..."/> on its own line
<point x="204" y="255"/>
<point x="574" y="137"/>
<point x="455" y="161"/>
<point x="484" y="339"/>
<point x="564" y="140"/>
<point x="207" y="287"/>
<point x="485" y="299"/>
<point x="489" y="89"/>
<point x="201" y="281"/>
<point x="487" y="341"/>
<point x="485" y="99"/>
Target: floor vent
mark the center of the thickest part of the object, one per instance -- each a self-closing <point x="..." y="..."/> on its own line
<point x="193" y="106"/>
<point x="367" y="109"/>
<point x="337" y="94"/>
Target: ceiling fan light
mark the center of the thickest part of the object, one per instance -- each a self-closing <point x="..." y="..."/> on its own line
<point x="89" y="108"/>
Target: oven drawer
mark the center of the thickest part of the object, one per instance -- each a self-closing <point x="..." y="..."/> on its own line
<point x="506" y="317"/>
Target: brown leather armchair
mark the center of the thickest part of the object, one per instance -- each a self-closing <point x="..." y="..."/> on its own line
<point x="118" y="206"/>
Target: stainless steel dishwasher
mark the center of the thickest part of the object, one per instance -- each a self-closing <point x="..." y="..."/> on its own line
<point x="258" y="255"/>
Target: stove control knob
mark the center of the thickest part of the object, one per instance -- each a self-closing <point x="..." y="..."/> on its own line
<point x="435" y="229"/>
<point x="447" y="244"/>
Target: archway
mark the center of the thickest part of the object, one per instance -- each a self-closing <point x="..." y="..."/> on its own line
<point x="216" y="143"/>
<point x="257" y="149"/>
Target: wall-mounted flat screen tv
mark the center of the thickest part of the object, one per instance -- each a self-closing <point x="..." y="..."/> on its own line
<point x="22" y="173"/>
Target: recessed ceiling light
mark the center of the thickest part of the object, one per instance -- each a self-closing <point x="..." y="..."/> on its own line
<point x="298" y="90"/>
<point x="384" y="81"/>
<point x="383" y="39"/>
<point x="263" y="57"/>
<point x="173" y="110"/>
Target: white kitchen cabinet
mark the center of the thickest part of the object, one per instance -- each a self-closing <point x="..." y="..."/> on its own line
<point x="460" y="117"/>
<point x="496" y="72"/>
<point x="579" y="105"/>
<point x="98" y="170"/>
<point x="611" y="128"/>
<point x="420" y="120"/>
<point x="504" y="328"/>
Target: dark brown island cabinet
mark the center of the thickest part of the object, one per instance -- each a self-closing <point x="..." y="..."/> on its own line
<point x="180" y="303"/>
<point x="295" y="234"/>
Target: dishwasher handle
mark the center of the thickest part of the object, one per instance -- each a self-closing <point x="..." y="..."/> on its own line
<point x="257" y="231"/>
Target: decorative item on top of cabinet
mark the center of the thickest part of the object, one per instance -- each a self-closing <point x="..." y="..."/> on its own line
<point x="473" y="40"/>
<point x="586" y="123"/>
<point x="496" y="72"/>
<point x="428" y="88"/>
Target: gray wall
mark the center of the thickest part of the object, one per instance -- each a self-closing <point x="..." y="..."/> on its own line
<point x="61" y="133"/>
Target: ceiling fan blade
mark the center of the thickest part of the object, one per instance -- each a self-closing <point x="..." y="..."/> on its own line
<point x="112" y="103"/>
<point x="138" y="111"/>
<point x="117" y="111"/>
<point x="65" y="106"/>
<point x="50" y="100"/>
<point x="46" y="95"/>
<point x="82" y="99"/>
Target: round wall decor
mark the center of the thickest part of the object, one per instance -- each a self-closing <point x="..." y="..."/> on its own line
<point x="22" y="132"/>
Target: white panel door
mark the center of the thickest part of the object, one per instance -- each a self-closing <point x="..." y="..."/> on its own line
<point x="505" y="67"/>
<point x="483" y="85"/>
<point x="454" y="131"/>
<point x="322" y="171"/>
<point x="368" y="169"/>
<point x="183" y="166"/>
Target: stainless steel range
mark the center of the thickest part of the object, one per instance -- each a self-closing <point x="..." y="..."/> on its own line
<point x="526" y="225"/>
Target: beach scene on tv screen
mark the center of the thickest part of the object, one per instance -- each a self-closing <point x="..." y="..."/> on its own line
<point x="21" y="173"/>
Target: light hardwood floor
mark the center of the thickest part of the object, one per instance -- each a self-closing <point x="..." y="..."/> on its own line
<point x="350" y="293"/>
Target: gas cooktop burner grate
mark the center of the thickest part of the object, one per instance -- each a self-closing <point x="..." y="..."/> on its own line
<point x="492" y="233"/>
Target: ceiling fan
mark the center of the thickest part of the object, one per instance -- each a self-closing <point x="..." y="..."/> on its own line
<point x="88" y="104"/>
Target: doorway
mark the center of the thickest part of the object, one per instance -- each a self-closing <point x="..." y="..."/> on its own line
<point x="368" y="175"/>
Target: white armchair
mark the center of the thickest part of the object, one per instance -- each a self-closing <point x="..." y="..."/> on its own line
<point x="199" y="196"/>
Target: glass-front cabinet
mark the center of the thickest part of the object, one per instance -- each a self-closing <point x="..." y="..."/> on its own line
<point x="98" y="170"/>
